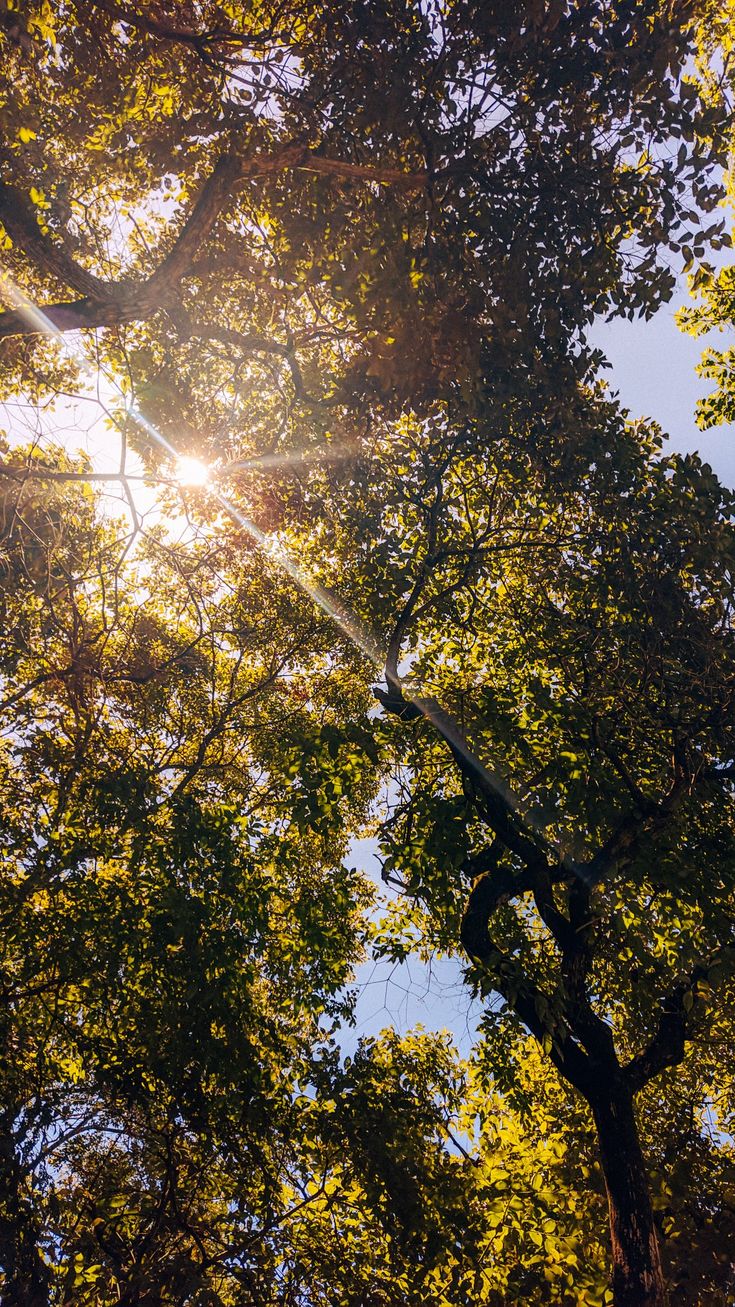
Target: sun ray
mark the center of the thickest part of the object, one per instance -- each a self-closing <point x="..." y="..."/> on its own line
<point x="328" y="454"/>
<point x="338" y="613"/>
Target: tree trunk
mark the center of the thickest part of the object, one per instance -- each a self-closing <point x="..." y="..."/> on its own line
<point x="637" y="1276"/>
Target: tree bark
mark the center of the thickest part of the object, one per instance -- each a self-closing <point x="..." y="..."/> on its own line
<point x="637" y="1277"/>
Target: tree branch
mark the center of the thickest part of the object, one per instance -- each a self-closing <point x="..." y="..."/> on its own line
<point x="250" y="342"/>
<point x="668" y="1045"/>
<point x="33" y="472"/>
<point x="495" y="886"/>
<point x="497" y="803"/>
<point x="19" y="218"/>
<point x="572" y="936"/>
<point x="211" y="200"/>
<point x="115" y="303"/>
<point x="198" y="41"/>
<point x="621" y="846"/>
<point x="76" y="315"/>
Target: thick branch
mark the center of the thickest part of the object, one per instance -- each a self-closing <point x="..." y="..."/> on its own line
<point x="572" y="937"/>
<point x="553" y="918"/>
<point x="362" y="172"/>
<point x="498" y="805"/>
<point x="115" y="303"/>
<point x="667" y="1047"/>
<point x="19" y="218"/>
<point x="496" y="886"/>
<point x="198" y="41"/>
<point x="493" y="887"/>
<point x="212" y="198"/>
<point x="76" y="315"/>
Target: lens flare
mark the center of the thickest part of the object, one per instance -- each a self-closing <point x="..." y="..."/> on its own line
<point x="190" y="471"/>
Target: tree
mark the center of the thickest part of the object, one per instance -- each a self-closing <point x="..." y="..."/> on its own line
<point x="176" y="928"/>
<point x="161" y="899"/>
<point x="597" y="680"/>
<point x="397" y="224"/>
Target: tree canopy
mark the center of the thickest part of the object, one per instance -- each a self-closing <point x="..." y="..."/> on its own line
<point x="437" y="587"/>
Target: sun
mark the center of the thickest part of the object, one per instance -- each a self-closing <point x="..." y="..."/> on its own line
<point x="191" y="471"/>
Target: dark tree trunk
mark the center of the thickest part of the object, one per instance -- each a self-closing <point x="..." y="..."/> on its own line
<point x="637" y="1276"/>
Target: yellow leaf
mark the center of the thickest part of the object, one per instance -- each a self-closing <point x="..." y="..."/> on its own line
<point x="26" y="135"/>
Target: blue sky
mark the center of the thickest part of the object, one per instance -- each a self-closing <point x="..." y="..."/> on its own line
<point x="654" y="372"/>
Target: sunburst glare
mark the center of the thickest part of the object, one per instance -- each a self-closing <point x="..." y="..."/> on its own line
<point x="190" y="471"/>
